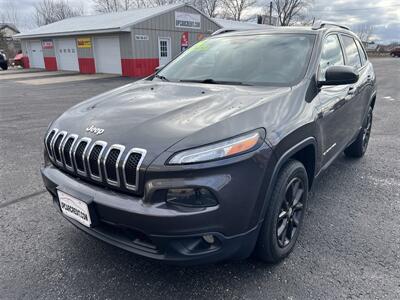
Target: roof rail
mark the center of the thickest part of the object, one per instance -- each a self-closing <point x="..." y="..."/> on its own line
<point x="321" y="24"/>
<point x="222" y="30"/>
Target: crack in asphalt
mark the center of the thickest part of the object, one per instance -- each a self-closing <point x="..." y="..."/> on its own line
<point x="2" y="205"/>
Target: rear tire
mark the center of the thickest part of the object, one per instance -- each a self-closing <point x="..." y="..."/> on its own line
<point x="284" y="215"/>
<point x="359" y="146"/>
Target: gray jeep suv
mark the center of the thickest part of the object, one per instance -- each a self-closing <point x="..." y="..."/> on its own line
<point x="212" y="157"/>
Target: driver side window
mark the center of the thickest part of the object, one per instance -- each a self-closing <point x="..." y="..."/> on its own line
<point x="331" y="55"/>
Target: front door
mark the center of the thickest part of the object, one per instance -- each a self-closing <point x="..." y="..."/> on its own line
<point x="333" y="118"/>
<point x="164" y="50"/>
<point x="36" y="55"/>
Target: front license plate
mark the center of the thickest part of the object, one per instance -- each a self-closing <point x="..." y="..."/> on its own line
<point x="74" y="208"/>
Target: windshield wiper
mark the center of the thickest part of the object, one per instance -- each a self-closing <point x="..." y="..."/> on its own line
<point x="161" y="77"/>
<point x="212" y="81"/>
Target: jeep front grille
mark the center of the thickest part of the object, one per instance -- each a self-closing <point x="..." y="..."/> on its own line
<point x="108" y="164"/>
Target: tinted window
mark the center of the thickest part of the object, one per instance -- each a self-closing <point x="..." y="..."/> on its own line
<point x="362" y="52"/>
<point x="351" y="52"/>
<point x="270" y="59"/>
<point x="331" y="55"/>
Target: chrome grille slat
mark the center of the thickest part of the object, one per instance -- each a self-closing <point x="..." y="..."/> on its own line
<point x="58" y="142"/>
<point x="92" y="174"/>
<point x="68" y="159"/>
<point x="81" y="171"/>
<point x="113" y="165"/>
<point x="49" y="142"/>
<point x="121" y="149"/>
<point x="128" y="185"/>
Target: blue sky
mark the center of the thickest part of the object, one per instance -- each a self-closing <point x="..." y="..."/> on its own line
<point x="384" y="15"/>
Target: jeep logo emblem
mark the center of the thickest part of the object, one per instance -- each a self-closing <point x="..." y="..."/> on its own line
<point x="95" y="130"/>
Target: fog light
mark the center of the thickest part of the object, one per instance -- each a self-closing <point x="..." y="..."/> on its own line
<point x="192" y="197"/>
<point x="209" y="238"/>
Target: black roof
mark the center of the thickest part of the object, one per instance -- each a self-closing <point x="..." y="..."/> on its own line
<point x="290" y="29"/>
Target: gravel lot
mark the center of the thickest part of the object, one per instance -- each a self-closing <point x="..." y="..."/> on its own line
<point x="349" y="247"/>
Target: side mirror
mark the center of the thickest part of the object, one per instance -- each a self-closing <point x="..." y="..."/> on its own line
<point x="338" y="75"/>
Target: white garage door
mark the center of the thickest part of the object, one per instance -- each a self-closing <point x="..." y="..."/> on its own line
<point x="67" y="56"/>
<point x="107" y="55"/>
<point x="35" y="54"/>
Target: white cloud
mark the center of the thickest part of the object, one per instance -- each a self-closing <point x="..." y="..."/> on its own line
<point x="384" y="15"/>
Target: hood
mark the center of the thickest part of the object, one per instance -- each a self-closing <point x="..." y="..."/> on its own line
<point x="156" y="115"/>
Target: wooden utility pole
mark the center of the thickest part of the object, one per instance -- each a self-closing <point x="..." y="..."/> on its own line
<point x="270" y="13"/>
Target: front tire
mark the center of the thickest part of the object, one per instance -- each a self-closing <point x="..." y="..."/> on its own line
<point x="285" y="212"/>
<point x="359" y="146"/>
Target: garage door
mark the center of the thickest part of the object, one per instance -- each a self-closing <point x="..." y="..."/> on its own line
<point x="67" y="56"/>
<point x="107" y="55"/>
<point x="36" y="55"/>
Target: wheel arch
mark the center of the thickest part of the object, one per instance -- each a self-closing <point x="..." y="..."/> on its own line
<point x="372" y="101"/>
<point x="305" y="152"/>
<point x="299" y="152"/>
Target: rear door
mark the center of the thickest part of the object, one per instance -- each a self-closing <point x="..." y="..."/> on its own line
<point x="359" y="100"/>
<point x="333" y="105"/>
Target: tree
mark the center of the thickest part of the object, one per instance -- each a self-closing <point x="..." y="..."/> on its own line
<point x="50" y="11"/>
<point x="233" y="9"/>
<point x="208" y="7"/>
<point x="3" y="41"/>
<point x="163" y="2"/>
<point x="10" y="13"/>
<point x="106" y="6"/>
<point x="365" y="32"/>
<point x="290" y="10"/>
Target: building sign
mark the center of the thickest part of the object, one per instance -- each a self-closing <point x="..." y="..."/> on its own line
<point x="47" y="44"/>
<point x="141" y="37"/>
<point x="184" y="41"/>
<point x="186" y="20"/>
<point x="85" y="42"/>
<point x="200" y="36"/>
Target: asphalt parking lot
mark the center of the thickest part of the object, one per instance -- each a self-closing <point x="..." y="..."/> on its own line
<point x="349" y="246"/>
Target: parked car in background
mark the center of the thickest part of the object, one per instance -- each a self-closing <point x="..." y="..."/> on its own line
<point x="3" y="60"/>
<point x="395" y="52"/>
<point x="18" y="59"/>
<point x="213" y="157"/>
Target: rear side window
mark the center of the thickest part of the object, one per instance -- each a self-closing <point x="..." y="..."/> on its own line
<point x="351" y="50"/>
<point x="331" y="55"/>
<point x="362" y="53"/>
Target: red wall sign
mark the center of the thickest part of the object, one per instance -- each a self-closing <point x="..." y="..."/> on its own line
<point x="47" y="44"/>
<point x="184" y="41"/>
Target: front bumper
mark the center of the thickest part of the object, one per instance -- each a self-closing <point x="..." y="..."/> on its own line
<point x="160" y="231"/>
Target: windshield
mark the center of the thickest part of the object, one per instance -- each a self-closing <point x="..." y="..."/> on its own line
<point x="269" y="59"/>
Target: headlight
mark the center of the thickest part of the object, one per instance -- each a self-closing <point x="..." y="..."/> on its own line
<point x="224" y="149"/>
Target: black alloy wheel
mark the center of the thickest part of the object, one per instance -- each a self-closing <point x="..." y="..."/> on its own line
<point x="284" y="214"/>
<point x="291" y="212"/>
<point x="367" y="131"/>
